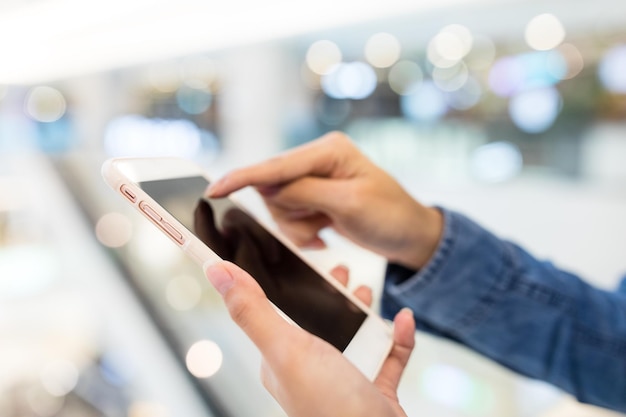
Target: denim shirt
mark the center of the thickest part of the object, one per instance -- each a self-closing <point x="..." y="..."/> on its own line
<point x="529" y="316"/>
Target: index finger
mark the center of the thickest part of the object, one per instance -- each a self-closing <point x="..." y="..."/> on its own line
<point x="315" y="158"/>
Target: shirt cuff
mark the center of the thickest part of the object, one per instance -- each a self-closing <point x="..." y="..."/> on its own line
<point x="457" y="288"/>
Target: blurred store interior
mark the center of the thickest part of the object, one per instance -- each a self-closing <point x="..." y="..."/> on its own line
<point x="513" y="112"/>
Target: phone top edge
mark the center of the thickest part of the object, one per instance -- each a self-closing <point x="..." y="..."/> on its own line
<point x="150" y="168"/>
<point x="111" y="175"/>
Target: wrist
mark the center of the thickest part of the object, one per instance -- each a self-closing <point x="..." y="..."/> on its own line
<point x="426" y="230"/>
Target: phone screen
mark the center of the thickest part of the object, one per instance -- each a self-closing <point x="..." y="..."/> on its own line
<point x="289" y="282"/>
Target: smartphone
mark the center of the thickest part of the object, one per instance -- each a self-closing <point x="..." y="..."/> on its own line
<point x="169" y="192"/>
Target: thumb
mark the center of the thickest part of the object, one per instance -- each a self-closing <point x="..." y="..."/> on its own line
<point x="403" y="343"/>
<point x="247" y="305"/>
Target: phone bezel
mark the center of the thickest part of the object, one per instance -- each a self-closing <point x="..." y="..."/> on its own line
<point x="369" y="346"/>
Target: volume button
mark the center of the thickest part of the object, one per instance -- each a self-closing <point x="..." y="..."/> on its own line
<point x="175" y="234"/>
<point x="150" y="212"/>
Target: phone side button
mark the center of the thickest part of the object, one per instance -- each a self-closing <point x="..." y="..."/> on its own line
<point x="150" y="212"/>
<point x="174" y="234"/>
<point x="128" y="193"/>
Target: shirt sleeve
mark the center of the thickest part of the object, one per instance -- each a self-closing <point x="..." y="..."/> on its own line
<point x="526" y="314"/>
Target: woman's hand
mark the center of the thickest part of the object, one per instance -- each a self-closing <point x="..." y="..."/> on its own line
<point x="329" y="182"/>
<point x="307" y="376"/>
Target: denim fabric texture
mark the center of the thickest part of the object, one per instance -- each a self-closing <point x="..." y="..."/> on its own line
<point x="526" y="314"/>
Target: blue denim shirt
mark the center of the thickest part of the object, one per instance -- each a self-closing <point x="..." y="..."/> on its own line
<point x="529" y="316"/>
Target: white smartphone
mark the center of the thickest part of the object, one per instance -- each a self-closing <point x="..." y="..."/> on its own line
<point x="170" y="193"/>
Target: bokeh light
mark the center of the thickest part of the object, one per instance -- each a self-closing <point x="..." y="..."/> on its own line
<point x="353" y="80"/>
<point x="496" y="162"/>
<point x="59" y="377"/>
<point x="447" y="385"/>
<point x="193" y="100"/>
<point x="555" y="67"/>
<point x="45" y="104"/>
<point x="134" y="135"/>
<point x="114" y="230"/>
<point x="405" y="76"/>
<point x="544" y="32"/>
<point x="425" y="103"/>
<point x="534" y="111"/>
<point x="512" y="74"/>
<point x="449" y="46"/>
<point x="451" y="78"/>
<point x="153" y="249"/>
<point x="573" y="60"/>
<point x="323" y="56"/>
<point x="382" y="50"/>
<point x="204" y="358"/>
<point x="506" y="76"/>
<point x="612" y="69"/>
<point x="183" y="292"/>
<point x="465" y="97"/>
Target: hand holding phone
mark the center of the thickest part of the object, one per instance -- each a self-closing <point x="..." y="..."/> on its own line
<point x="170" y="193"/>
<point x="307" y="376"/>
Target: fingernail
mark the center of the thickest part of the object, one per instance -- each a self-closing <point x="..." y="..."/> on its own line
<point x="316" y="243"/>
<point x="407" y="311"/>
<point x="219" y="277"/>
<point x="211" y="190"/>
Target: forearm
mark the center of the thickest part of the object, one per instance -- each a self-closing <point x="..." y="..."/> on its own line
<point x="527" y="315"/>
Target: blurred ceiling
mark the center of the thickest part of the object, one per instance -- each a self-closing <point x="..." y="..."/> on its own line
<point x="47" y="40"/>
<point x="43" y="40"/>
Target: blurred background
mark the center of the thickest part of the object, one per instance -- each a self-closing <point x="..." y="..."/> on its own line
<point x="513" y="112"/>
